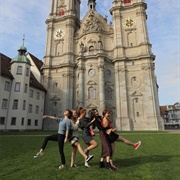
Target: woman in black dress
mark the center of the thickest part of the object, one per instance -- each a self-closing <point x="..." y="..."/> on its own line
<point x="84" y="124"/>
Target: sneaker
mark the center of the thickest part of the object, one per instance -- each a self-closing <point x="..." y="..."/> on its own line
<point x="61" y="167"/>
<point x="86" y="164"/>
<point x="113" y="167"/>
<point x="86" y="151"/>
<point x="108" y="166"/>
<point x="137" y="145"/>
<point x="89" y="158"/>
<point x="101" y="165"/>
<point x="38" y="155"/>
<point x="75" y="166"/>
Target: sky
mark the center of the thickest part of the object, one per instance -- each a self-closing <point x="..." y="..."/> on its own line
<point x="27" y="17"/>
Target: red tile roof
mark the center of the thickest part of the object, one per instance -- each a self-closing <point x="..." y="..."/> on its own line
<point x="5" y="71"/>
<point x="37" y="62"/>
<point x="34" y="83"/>
<point x="5" y="66"/>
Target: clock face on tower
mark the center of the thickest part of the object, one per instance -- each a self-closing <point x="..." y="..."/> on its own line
<point x="59" y="34"/>
<point x="129" y="22"/>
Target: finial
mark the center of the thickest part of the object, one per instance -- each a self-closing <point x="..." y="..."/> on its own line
<point x="23" y="39"/>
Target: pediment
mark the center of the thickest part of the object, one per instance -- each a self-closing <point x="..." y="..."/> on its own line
<point x="91" y="83"/>
<point x="93" y="22"/>
<point x="91" y="106"/>
<point x="136" y="93"/>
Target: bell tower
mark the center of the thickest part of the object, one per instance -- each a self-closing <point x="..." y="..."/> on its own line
<point x="136" y="86"/>
<point x="62" y="23"/>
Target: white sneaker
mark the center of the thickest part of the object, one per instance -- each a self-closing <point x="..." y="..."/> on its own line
<point x="87" y="165"/>
<point x="38" y="155"/>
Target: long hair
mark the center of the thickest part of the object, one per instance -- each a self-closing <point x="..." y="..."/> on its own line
<point x="82" y="111"/>
<point x="105" y="111"/>
<point x="78" y="111"/>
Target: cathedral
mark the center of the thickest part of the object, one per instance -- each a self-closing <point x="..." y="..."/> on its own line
<point x="95" y="64"/>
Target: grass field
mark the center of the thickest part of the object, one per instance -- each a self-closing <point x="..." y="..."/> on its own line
<point x="158" y="158"/>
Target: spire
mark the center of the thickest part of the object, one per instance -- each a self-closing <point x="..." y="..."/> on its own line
<point x="92" y="5"/>
<point x="22" y="50"/>
<point x="21" y="57"/>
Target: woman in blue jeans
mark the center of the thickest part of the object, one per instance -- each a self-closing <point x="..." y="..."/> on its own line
<point x="61" y="137"/>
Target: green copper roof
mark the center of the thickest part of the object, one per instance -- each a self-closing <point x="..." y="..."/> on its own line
<point x="21" y="57"/>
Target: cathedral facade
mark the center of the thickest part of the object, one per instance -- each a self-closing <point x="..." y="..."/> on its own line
<point x="95" y="64"/>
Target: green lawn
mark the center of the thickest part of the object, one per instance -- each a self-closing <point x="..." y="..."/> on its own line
<point x="158" y="158"/>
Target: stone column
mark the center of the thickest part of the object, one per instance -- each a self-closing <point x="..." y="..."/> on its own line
<point x="81" y="94"/>
<point x="101" y="84"/>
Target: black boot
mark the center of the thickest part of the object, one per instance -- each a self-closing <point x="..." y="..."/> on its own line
<point x="108" y="166"/>
<point x="101" y="164"/>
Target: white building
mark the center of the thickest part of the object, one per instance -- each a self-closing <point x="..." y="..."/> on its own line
<point x="22" y="95"/>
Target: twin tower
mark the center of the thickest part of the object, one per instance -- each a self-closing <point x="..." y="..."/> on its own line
<point x="95" y="64"/>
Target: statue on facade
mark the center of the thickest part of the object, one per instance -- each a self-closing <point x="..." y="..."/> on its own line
<point x="82" y="48"/>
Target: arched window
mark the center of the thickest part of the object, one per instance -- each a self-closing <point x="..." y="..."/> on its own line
<point x="61" y="12"/>
<point x="108" y="93"/>
<point x="91" y="93"/>
<point x="91" y="49"/>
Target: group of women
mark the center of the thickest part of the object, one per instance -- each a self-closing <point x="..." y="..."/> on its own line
<point x="68" y="130"/>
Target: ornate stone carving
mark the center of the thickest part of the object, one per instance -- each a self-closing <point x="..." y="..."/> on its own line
<point x="100" y="66"/>
<point x="92" y="23"/>
<point x="145" y="68"/>
<point x="136" y="93"/>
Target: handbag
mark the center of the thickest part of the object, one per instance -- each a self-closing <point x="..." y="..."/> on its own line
<point x="91" y="132"/>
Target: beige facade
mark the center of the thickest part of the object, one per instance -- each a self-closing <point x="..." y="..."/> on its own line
<point x="22" y="96"/>
<point x="93" y="64"/>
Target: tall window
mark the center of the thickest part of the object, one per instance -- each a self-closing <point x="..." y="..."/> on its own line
<point x="30" y="108"/>
<point x="61" y="12"/>
<point x="91" y="93"/>
<point x="27" y="71"/>
<point x="25" y="88"/>
<point x="22" y="121"/>
<point x="37" y="110"/>
<point x="15" y="104"/>
<point x="31" y="93"/>
<point x="17" y="87"/>
<point x="108" y="93"/>
<point x="7" y="86"/>
<point x="24" y="105"/>
<point x="29" y="122"/>
<point x="19" y="70"/>
<point x="13" y="121"/>
<point x="36" y="122"/>
<point x="2" y="120"/>
<point x="5" y="104"/>
<point x="38" y="95"/>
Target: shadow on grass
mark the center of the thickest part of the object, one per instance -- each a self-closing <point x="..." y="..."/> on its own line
<point x="142" y="160"/>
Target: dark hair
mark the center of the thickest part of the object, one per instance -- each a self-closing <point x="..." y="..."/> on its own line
<point x="82" y="111"/>
<point x="105" y="111"/>
<point x="70" y="113"/>
<point x="92" y="113"/>
<point x="78" y="111"/>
